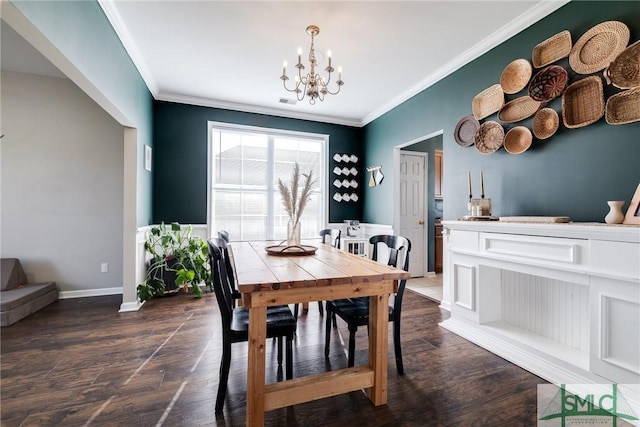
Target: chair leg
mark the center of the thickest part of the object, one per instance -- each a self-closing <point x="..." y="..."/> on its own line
<point x="397" y="347"/>
<point x="295" y="310"/>
<point x="333" y="317"/>
<point x="279" y="344"/>
<point x="289" y="357"/>
<point x="320" y="308"/>
<point x="225" y="365"/>
<point x="327" y="333"/>
<point x="352" y="346"/>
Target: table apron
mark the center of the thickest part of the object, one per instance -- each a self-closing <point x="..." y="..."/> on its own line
<point x="318" y="293"/>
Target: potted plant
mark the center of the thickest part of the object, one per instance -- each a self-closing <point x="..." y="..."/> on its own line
<point x="177" y="260"/>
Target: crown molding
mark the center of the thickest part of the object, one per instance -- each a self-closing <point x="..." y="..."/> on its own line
<point x="112" y="14"/>
<point x="503" y="34"/>
<point x="509" y="30"/>
<point x="247" y="108"/>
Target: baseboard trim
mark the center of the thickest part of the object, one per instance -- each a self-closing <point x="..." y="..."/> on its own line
<point x="130" y="306"/>
<point x="90" y="293"/>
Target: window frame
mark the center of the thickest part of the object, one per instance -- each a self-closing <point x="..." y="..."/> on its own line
<point x="270" y="132"/>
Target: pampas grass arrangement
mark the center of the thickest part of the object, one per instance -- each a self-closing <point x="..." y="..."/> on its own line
<point x="294" y="205"/>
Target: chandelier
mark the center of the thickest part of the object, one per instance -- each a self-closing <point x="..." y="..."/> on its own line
<point x="312" y="85"/>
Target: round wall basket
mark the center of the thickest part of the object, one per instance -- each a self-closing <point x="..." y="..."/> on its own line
<point x="517" y="140"/>
<point x="545" y="123"/>
<point x="489" y="137"/>
<point x="598" y="47"/>
<point x="515" y="76"/>
<point x="548" y="83"/>
<point x="466" y="130"/>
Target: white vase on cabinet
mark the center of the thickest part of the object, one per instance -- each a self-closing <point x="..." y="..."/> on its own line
<point x="615" y="215"/>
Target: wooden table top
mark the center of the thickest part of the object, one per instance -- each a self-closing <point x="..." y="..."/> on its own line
<point x="258" y="271"/>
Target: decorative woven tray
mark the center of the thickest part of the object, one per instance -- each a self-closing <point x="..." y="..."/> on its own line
<point x="598" y="47"/>
<point x="518" y="109"/>
<point x="545" y="123"/>
<point x="487" y="102"/>
<point x="466" y="130"/>
<point x="583" y="103"/>
<point x="548" y="83"/>
<point x="552" y="49"/>
<point x="624" y="107"/>
<point x="297" y="250"/>
<point x="515" y="76"/>
<point x="489" y="137"/>
<point x="624" y="71"/>
<point x="517" y="140"/>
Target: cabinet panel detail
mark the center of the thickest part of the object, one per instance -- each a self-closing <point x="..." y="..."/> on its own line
<point x="556" y="250"/>
<point x="466" y="241"/>
<point x="616" y="258"/>
<point x="464" y="286"/>
<point x="619" y="336"/>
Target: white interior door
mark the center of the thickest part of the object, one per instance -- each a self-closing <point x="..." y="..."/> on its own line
<point x="412" y="208"/>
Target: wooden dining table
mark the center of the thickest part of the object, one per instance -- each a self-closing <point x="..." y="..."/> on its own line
<point x="266" y="280"/>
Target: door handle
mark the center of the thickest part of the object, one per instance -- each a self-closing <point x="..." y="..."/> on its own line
<point x="421" y="222"/>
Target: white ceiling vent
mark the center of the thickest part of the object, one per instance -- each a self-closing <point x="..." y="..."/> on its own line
<point x="288" y="101"/>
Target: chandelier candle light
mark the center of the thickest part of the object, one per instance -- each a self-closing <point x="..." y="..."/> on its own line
<point x="312" y="85"/>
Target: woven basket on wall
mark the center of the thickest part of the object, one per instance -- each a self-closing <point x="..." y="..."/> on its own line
<point x="598" y="47"/>
<point x="517" y="140"/>
<point x="552" y="49"/>
<point x="465" y="131"/>
<point x="518" y="109"/>
<point x="545" y="123"/>
<point x="583" y="103"/>
<point x="487" y="102"/>
<point x="515" y="76"/>
<point x="489" y="137"/>
<point x="548" y="83"/>
<point x="624" y="71"/>
<point x="624" y="107"/>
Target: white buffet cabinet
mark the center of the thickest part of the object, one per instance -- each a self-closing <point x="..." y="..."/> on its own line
<point x="560" y="300"/>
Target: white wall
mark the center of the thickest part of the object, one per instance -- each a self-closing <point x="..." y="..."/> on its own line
<point x="61" y="182"/>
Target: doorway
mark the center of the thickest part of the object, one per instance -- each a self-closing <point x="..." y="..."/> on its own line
<point x="428" y="145"/>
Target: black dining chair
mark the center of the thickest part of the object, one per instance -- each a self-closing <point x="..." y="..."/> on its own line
<point x="330" y="236"/>
<point x="229" y="263"/>
<point x="355" y="311"/>
<point x="235" y="320"/>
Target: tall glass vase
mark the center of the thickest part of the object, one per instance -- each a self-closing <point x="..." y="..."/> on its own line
<point x="293" y="233"/>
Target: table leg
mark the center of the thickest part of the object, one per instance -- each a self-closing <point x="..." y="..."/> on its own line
<point x="378" y="346"/>
<point x="256" y="366"/>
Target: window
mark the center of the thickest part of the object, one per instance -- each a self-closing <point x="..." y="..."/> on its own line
<point x="245" y="164"/>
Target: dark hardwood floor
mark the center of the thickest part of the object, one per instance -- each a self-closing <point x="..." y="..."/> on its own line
<point x="80" y="362"/>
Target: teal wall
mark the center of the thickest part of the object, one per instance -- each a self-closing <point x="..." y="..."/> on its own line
<point x="434" y="207"/>
<point x="572" y="173"/>
<point x="180" y="158"/>
<point x="81" y="31"/>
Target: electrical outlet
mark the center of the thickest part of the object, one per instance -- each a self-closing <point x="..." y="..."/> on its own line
<point x="104" y="267"/>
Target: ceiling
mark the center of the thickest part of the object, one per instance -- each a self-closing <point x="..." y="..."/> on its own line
<point x="229" y="54"/>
